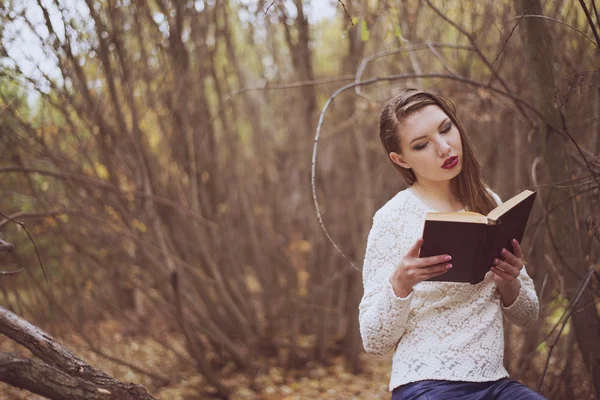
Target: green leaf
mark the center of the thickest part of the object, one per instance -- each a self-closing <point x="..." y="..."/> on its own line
<point x="398" y="32"/>
<point x="364" y="31"/>
<point x="541" y="347"/>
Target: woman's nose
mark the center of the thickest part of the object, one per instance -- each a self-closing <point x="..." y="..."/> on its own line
<point x="444" y="150"/>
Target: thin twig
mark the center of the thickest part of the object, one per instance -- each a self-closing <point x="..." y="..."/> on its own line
<point x="267" y="10"/>
<point x="22" y="225"/>
<point x="596" y="12"/>
<point x="555" y="20"/>
<point x="346" y="12"/>
<point x="478" y="51"/>
<point x="290" y="85"/>
<point x="590" y="22"/>
<point x="576" y="296"/>
<point x="11" y="272"/>
<point x="569" y="311"/>
<point x="365" y="61"/>
<point x="437" y="55"/>
<point x="115" y="189"/>
<point x="119" y="232"/>
<point x="510" y="34"/>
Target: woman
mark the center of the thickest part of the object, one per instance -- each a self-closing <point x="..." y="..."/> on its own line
<point x="448" y="337"/>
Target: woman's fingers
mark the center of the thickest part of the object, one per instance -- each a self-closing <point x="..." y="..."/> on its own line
<point x="502" y="274"/>
<point x="507" y="268"/>
<point x="517" y="249"/>
<point x="434" y="270"/>
<point x="433" y="260"/>
<point x="414" y="249"/>
<point x="511" y="259"/>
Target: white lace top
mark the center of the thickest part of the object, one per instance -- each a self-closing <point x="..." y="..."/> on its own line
<point x="441" y="330"/>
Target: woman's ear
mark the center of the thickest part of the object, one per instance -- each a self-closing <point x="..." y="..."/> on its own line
<point x="399" y="160"/>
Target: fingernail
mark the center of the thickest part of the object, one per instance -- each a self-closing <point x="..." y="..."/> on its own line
<point x="503" y="251"/>
<point x="447" y="258"/>
<point x="449" y="266"/>
<point x="515" y="241"/>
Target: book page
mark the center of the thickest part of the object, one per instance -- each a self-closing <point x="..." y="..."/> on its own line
<point x="497" y="212"/>
<point x="464" y="216"/>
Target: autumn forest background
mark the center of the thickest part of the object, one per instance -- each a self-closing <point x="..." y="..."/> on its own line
<point x="156" y="170"/>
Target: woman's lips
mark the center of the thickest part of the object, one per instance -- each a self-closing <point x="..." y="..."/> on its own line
<point x="451" y="163"/>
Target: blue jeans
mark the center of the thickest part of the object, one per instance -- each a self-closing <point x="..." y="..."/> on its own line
<point x="503" y="389"/>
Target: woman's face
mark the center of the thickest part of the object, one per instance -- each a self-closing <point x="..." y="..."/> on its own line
<point x="427" y="139"/>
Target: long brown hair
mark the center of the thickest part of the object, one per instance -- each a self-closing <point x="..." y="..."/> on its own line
<point x="469" y="185"/>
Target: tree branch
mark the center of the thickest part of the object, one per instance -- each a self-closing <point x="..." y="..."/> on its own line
<point x="60" y="374"/>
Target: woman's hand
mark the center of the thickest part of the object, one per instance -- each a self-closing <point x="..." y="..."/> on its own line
<point x="507" y="271"/>
<point x="413" y="269"/>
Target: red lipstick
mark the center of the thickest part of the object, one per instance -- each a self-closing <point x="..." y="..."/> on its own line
<point x="450" y="163"/>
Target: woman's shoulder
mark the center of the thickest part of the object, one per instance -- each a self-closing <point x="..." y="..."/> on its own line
<point x="397" y="207"/>
<point x="494" y="195"/>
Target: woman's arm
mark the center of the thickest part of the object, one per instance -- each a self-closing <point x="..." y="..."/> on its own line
<point x="524" y="310"/>
<point x="382" y="314"/>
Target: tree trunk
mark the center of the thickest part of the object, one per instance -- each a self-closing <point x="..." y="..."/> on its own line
<point x="562" y="225"/>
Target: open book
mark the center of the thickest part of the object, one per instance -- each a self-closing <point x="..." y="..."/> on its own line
<point x="474" y="240"/>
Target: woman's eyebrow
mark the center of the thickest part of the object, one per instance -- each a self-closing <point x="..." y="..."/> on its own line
<point x="439" y="126"/>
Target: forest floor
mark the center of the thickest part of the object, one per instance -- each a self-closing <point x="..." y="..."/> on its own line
<point x="313" y="382"/>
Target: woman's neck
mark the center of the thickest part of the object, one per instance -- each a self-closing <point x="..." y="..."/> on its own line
<point x="440" y="197"/>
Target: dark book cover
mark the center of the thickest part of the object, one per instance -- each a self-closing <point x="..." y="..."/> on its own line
<point x="474" y="240"/>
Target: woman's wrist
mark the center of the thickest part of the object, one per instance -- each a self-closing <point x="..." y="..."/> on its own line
<point x="400" y="290"/>
<point x="509" y="292"/>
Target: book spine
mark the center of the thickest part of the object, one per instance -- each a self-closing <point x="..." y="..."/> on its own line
<point x="491" y="221"/>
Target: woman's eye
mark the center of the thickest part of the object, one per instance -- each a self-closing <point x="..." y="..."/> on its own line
<point x="446" y="130"/>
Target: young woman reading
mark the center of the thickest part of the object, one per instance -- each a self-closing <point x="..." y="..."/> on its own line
<point x="448" y="337"/>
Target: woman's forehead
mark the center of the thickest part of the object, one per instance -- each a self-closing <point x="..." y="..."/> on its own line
<point x="422" y="122"/>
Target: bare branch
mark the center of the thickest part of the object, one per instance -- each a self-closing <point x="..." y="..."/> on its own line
<point x="22" y="225"/>
<point x="477" y="51"/>
<point x="555" y="20"/>
<point x="590" y="22"/>
<point x="346" y="12"/>
<point x="109" y="186"/>
<point x="582" y="286"/>
<point x="58" y="361"/>
<point x="428" y="45"/>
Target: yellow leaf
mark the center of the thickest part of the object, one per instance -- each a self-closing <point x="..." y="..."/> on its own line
<point x="139" y="225"/>
<point x="301" y="246"/>
<point x="101" y="170"/>
<point x="253" y="284"/>
<point x="304" y="246"/>
<point x="112" y="212"/>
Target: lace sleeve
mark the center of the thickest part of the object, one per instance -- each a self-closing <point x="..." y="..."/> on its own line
<point x="383" y="315"/>
<point x="524" y="311"/>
